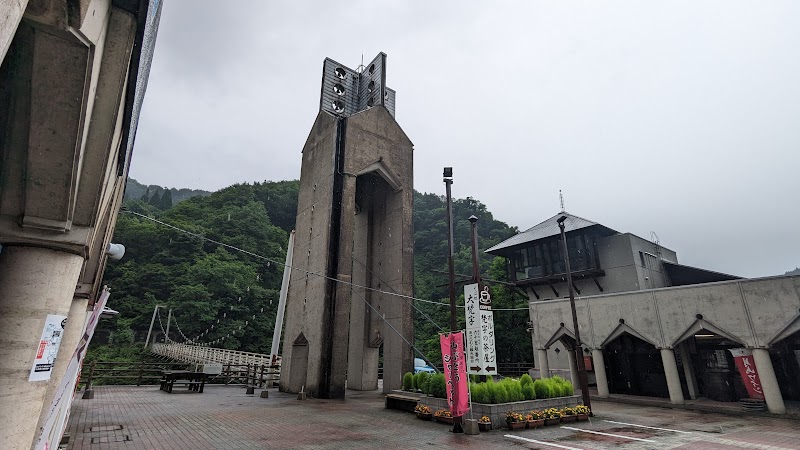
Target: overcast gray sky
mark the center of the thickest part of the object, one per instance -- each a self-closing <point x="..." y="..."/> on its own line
<point x="681" y="118"/>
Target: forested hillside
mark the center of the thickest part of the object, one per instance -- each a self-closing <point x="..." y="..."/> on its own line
<point x="218" y="292"/>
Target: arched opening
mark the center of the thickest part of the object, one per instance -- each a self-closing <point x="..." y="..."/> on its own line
<point x="705" y="356"/>
<point x="785" y="355"/>
<point x="634" y="366"/>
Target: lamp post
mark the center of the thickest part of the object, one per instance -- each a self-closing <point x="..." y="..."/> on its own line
<point x="448" y="181"/>
<point x="582" y="378"/>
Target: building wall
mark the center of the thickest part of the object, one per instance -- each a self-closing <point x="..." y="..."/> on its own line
<point x="756" y="313"/>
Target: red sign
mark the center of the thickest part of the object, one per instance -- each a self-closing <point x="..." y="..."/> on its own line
<point x="747" y="369"/>
<point x="455" y="372"/>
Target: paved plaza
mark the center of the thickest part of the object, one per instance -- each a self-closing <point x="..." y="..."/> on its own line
<point x="224" y="417"/>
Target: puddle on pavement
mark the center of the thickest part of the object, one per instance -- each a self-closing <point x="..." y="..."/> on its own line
<point x="623" y="431"/>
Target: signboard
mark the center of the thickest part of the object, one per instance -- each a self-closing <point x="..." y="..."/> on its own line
<point x="747" y="369"/>
<point x="48" y="347"/>
<point x="481" y="358"/>
<point x="455" y="372"/>
<point x="58" y="415"/>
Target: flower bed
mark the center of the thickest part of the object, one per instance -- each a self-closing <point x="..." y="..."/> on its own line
<point x="497" y="413"/>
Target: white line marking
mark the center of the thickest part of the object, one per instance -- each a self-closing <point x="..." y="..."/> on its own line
<point x="645" y="426"/>
<point x="609" y="434"/>
<point x="511" y="436"/>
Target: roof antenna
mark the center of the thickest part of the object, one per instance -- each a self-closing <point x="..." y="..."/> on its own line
<point x="561" y="197"/>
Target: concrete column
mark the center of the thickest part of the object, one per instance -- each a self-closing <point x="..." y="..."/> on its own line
<point x="544" y="366"/>
<point x="69" y="343"/>
<point x="673" y="377"/>
<point x="688" y="370"/>
<point x="772" y="392"/>
<point x="600" y="372"/>
<point x="34" y="282"/>
<point x="573" y="369"/>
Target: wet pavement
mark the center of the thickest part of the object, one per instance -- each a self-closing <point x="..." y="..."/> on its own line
<point x="224" y="417"/>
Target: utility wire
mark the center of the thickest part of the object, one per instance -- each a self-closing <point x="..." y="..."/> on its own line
<point x="255" y="255"/>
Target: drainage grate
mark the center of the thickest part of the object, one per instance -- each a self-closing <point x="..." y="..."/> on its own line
<point x="104" y="428"/>
<point x="108" y="439"/>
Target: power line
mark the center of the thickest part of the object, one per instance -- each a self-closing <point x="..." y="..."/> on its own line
<point x="255" y="255"/>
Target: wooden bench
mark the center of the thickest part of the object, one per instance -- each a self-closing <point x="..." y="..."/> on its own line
<point x="401" y="402"/>
<point x="194" y="380"/>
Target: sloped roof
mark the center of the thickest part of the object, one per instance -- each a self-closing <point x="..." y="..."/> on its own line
<point x="546" y="229"/>
<point x="683" y="275"/>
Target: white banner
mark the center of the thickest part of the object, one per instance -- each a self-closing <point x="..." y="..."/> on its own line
<point x="48" y="347"/>
<point x="58" y="414"/>
<point x="481" y="358"/>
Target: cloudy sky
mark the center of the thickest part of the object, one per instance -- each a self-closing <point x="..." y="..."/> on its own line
<point x="681" y="118"/>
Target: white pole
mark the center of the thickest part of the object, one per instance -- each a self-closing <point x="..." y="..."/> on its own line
<point x="287" y="274"/>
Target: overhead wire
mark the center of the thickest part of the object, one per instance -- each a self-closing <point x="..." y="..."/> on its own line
<point x="255" y="255"/>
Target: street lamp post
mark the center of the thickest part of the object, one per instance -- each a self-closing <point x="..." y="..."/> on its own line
<point x="582" y="378"/>
<point x="448" y="181"/>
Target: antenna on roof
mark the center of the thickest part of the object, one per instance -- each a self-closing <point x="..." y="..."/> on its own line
<point x="561" y="197"/>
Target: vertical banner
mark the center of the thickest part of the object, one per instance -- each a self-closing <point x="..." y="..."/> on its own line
<point x="58" y="414"/>
<point x="481" y="358"/>
<point x="455" y="372"/>
<point x="45" y="358"/>
<point x="743" y="358"/>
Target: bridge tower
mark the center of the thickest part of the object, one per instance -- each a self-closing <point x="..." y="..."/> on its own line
<point x="354" y="242"/>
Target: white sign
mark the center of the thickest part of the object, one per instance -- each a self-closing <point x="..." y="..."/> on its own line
<point x="48" y="348"/>
<point x="58" y="415"/>
<point x="481" y="358"/>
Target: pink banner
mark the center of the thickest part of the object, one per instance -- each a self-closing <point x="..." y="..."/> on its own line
<point x="747" y="369"/>
<point x="455" y="372"/>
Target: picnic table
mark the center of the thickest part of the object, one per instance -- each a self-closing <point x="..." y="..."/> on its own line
<point x="195" y="380"/>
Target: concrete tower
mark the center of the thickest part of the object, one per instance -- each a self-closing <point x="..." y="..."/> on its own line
<point x="354" y="224"/>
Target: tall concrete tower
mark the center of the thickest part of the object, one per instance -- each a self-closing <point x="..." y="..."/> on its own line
<point x="354" y="242"/>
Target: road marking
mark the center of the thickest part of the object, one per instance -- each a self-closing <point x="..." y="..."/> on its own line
<point x="609" y="434"/>
<point x="645" y="426"/>
<point x="534" y="441"/>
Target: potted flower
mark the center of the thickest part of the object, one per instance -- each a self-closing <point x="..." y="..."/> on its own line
<point x="515" y="420"/>
<point x="552" y="416"/>
<point x="535" y="419"/>
<point x="583" y="412"/>
<point x="485" y="423"/>
<point x="444" y="416"/>
<point x="568" y="415"/>
<point x="423" y="412"/>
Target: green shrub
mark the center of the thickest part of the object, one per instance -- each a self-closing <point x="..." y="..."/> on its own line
<point x="501" y="394"/>
<point x="420" y="380"/>
<point x="555" y="387"/>
<point x="491" y="392"/>
<point x="513" y="389"/>
<point x="438" y="386"/>
<point x="542" y="389"/>
<point x="525" y="380"/>
<point x="564" y="387"/>
<point x="480" y="393"/>
<point x="528" y="391"/>
<point x="408" y="382"/>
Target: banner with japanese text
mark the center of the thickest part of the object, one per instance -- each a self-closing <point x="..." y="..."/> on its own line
<point x="481" y="357"/>
<point x="455" y="372"/>
<point x="747" y="369"/>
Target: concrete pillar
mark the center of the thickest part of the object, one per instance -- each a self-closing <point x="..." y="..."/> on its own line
<point x="688" y="370"/>
<point x="573" y="369"/>
<point x="69" y="342"/>
<point x="600" y="372"/>
<point x="673" y="377"/>
<point x="772" y="392"/>
<point x="544" y="366"/>
<point x="34" y="282"/>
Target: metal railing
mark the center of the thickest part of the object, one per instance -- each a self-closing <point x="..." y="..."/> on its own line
<point x="197" y="354"/>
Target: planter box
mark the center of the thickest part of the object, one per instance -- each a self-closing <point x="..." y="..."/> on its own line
<point x="569" y="419"/>
<point x="533" y="424"/>
<point x="516" y="425"/>
<point x="554" y="421"/>
<point x="483" y="426"/>
<point x="583" y="417"/>
<point x="498" y="412"/>
<point x="445" y="420"/>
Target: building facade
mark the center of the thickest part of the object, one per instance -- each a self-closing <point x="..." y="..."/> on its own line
<point x="652" y="326"/>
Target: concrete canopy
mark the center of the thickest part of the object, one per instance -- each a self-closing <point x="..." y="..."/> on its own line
<point x="624" y="328"/>
<point x="790" y="329"/>
<point x="700" y="325"/>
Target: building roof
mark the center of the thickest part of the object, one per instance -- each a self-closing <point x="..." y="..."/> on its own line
<point x="548" y="228"/>
<point x="683" y="275"/>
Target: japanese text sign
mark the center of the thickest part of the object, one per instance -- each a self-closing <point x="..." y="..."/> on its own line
<point x="455" y="372"/>
<point x="481" y="359"/>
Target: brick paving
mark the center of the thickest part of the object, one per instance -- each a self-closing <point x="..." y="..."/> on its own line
<point x="224" y="417"/>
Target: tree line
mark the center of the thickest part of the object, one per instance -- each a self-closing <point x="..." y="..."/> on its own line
<point x="217" y="292"/>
